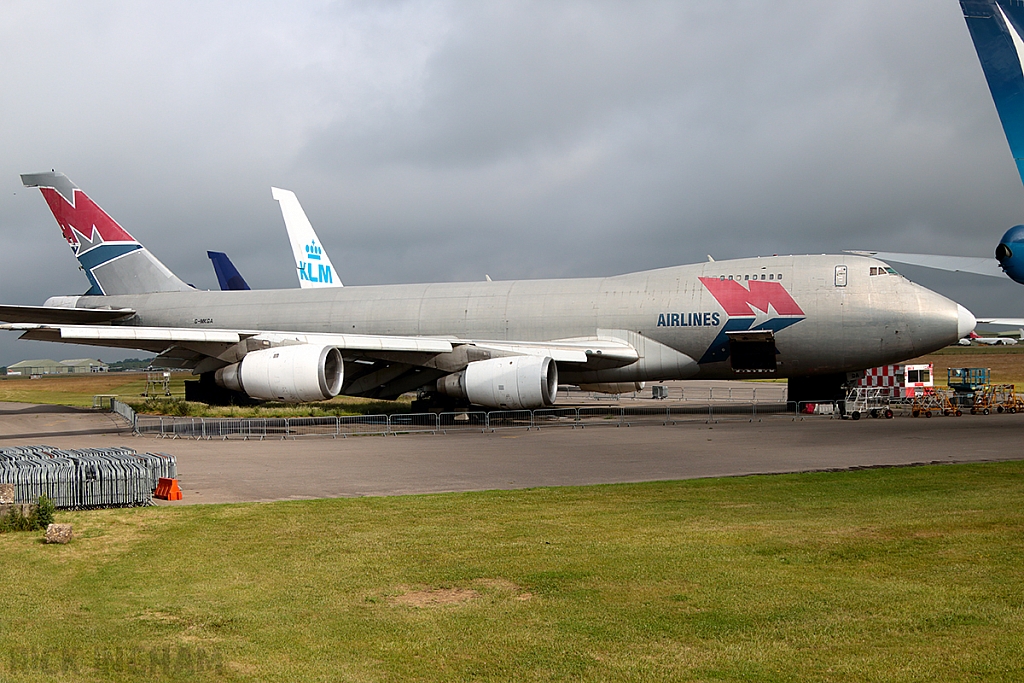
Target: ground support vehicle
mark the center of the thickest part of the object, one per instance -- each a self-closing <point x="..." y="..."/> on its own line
<point x="998" y="397"/>
<point x="873" y="401"/>
<point x="935" y="403"/>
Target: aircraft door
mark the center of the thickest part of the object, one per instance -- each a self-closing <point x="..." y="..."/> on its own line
<point x="753" y="351"/>
<point x="840" y="276"/>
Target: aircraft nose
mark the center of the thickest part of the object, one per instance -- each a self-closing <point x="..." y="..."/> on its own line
<point x="965" y="321"/>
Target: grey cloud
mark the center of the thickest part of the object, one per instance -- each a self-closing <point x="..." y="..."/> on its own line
<point x="445" y="140"/>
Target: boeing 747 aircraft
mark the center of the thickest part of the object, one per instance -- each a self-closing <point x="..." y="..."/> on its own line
<point x="811" y="319"/>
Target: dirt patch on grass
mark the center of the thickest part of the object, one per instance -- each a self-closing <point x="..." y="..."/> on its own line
<point x="162" y="617"/>
<point x="505" y="586"/>
<point x="435" y="597"/>
<point x="438" y="597"/>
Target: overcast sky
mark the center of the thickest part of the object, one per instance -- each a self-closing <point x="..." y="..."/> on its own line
<point x="439" y="141"/>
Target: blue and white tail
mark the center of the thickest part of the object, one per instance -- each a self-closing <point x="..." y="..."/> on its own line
<point x="114" y="261"/>
<point x="311" y="260"/>
<point x="997" y="27"/>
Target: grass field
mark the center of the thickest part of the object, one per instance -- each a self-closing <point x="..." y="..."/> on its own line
<point x="1005" y="362"/>
<point x="79" y="390"/>
<point x="907" y="574"/>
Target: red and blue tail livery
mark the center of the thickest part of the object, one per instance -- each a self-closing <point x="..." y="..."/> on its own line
<point x="112" y="259"/>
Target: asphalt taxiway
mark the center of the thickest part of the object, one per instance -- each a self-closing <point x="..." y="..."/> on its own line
<point x="234" y="471"/>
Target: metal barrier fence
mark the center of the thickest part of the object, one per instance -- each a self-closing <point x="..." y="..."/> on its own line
<point x="91" y="477"/>
<point x="480" y="421"/>
<point x="122" y="409"/>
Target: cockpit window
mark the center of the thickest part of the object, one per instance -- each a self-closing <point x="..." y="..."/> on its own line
<point x="883" y="271"/>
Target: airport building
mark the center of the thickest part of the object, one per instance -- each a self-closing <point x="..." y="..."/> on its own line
<point x="52" y="367"/>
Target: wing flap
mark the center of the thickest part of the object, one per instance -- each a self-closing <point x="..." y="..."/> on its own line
<point x="177" y="335"/>
<point x="62" y="315"/>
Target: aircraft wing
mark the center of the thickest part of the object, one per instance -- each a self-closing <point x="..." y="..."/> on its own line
<point x="1012" y="322"/>
<point x="957" y="264"/>
<point x="377" y="366"/>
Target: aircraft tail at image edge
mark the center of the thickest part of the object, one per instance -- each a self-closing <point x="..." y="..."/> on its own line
<point x="997" y="29"/>
<point x="113" y="260"/>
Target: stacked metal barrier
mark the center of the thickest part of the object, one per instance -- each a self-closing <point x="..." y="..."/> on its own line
<point x="91" y="477"/>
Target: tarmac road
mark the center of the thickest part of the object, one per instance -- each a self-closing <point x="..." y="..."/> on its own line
<point x="233" y="471"/>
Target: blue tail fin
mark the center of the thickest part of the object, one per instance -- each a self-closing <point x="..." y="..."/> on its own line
<point x="997" y="27"/>
<point x="227" y="275"/>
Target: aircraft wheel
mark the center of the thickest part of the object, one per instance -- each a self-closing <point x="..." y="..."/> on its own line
<point x="888" y="414"/>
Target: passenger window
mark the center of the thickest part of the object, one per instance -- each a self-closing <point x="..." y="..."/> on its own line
<point x="840" y="276"/>
<point x="779" y="276"/>
<point x="771" y="276"/>
<point x="746" y="277"/>
<point x="730" y="277"/>
<point x="762" y="276"/>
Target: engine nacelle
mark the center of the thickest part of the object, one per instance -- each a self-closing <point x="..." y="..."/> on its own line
<point x="511" y="383"/>
<point x="1010" y="253"/>
<point x="613" y="387"/>
<point x="297" y="373"/>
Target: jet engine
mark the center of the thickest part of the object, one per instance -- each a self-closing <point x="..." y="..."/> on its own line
<point x="297" y="373"/>
<point x="510" y="383"/>
<point x="1010" y="253"/>
<point x="613" y="387"/>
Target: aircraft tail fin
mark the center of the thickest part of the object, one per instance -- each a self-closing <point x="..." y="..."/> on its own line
<point x="227" y="275"/>
<point x="113" y="260"/>
<point x="311" y="260"/>
<point x="997" y="29"/>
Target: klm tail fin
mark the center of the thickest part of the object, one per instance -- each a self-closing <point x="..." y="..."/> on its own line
<point x="113" y="260"/>
<point x="311" y="260"/>
<point x="997" y="27"/>
<point x="227" y="275"/>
